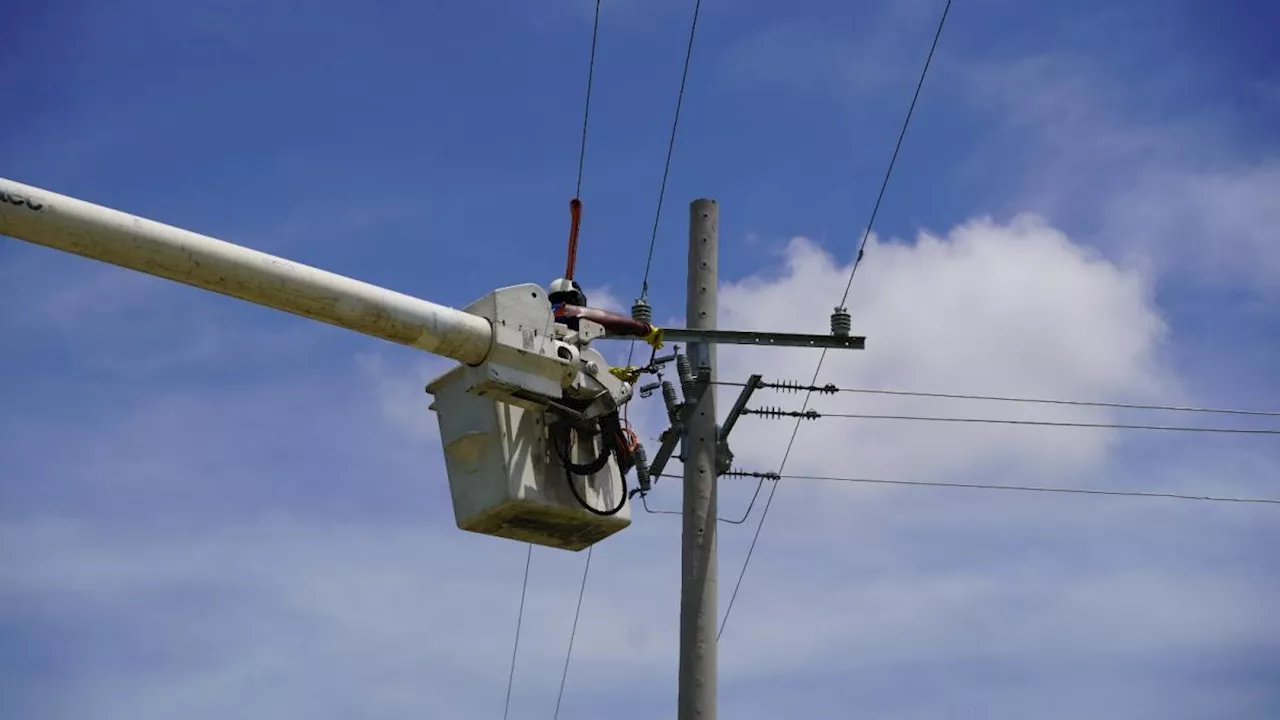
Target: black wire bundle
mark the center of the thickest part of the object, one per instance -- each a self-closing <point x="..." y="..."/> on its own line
<point x="611" y="433"/>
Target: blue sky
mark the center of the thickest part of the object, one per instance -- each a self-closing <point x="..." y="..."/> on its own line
<point x="209" y="508"/>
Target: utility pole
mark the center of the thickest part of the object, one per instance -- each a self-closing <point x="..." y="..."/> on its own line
<point x="697" y="698"/>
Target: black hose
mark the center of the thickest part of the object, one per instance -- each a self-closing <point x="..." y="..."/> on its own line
<point x="591" y="468"/>
<point x="588" y="468"/>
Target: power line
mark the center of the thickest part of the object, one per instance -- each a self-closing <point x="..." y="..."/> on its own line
<point x="582" y="154"/>
<point x="814" y="415"/>
<point x="671" y="148"/>
<point x="644" y="501"/>
<point x="764" y="513"/>
<point x="644" y="284"/>
<point x="666" y="168"/>
<point x="586" y="112"/>
<point x="1039" y="488"/>
<point x="1018" y="488"/>
<point x="573" y="632"/>
<point x="515" y="646"/>
<point x="892" y="160"/>
<point x="832" y="389"/>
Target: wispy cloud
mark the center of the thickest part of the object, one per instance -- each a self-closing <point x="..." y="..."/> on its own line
<point x="1170" y="190"/>
<point x="313" y="567"/>
<point x="210" y="510"/>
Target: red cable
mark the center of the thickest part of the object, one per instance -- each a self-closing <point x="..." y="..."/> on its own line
<point x="575" y="214"/>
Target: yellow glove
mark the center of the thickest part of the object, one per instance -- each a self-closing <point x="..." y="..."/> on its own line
<point x="629" y="374"/>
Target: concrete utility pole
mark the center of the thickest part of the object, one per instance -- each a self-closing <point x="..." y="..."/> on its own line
<point x="697" y="699"/>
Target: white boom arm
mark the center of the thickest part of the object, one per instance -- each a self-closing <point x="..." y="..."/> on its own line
<point x="74" y="226"/>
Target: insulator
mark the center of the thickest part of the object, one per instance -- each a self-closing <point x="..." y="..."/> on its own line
<point x="672" y="402"/>
<point x="753" y="474"/>
<point x="647" y="390"/>
<point x="688" y="384"/>
<point x="642" y="467"/>
<point x="642" y="312"/>
<point x="841" y="322"/>
<point x="793" y="386"/>
<point x="776" y="412"/>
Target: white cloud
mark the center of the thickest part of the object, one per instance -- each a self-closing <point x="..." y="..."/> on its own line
<point x="400" y="389"/>
<point x="605" y="299"/>
<point x="990" y="309"/>
<point x="1206" y="224"/>
<point x="1174" y="191"/>
<point x="332" y="605"/>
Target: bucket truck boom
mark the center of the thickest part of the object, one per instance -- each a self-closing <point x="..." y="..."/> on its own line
<point x="528" y="418"/>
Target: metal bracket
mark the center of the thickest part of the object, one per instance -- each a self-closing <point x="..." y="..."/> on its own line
<point x="724" y="455"/>
<point x="744" y="397"/>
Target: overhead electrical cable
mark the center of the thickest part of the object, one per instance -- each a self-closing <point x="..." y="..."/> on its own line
<point x="832" y="389"/>
<point x="1041" y="489"/>
<point x="764" y="513"/>
<point x="644" y="501"/>
<point x="644" y="284"/>
<point x="573" y="631"/>
<point x="586" y="110"/>
<point x="815" y="415"/>
<point x="515" y="646"/>
<point x="576" y="213"/>
<point x="671" y="148"/>
<point x="1018" y="488"/>
<point x="666" y="166"/>
<point x="575" y="204"/>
